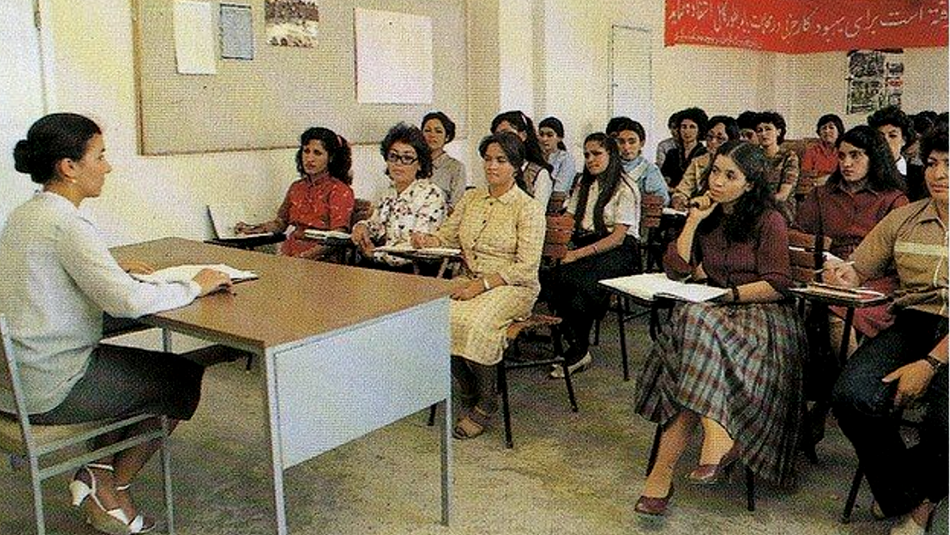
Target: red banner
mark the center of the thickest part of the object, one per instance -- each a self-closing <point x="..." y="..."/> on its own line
<point x="806" y="26"/>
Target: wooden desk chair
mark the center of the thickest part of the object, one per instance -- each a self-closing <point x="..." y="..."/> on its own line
<point x="651" y="218"/>
<point x="557" y="236"/>
<point x="556" y="202"/>
<point x="34" y="444"/>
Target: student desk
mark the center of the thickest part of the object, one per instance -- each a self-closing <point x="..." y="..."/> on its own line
<point x="344" y="350"/>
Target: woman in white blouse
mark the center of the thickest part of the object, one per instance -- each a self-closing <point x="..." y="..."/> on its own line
<point x="606" y="210"/>
<point x="412" y="203"/>
<point x="56" y="280"/>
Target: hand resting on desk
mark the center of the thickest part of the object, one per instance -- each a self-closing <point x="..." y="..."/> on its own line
<point x="211" y="281"/>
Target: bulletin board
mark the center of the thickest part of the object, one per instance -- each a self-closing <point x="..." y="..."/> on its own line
<point x="267" y="101"/>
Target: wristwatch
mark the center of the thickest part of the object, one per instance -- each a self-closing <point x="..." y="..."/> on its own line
<point x="934" y="362"/>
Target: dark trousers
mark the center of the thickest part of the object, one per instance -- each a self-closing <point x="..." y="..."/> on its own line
<point x="577" y="298"/>
<point x="900" y="477"/>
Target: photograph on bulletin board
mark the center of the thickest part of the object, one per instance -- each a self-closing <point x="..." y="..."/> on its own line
<point x="875" y="80"/>
<point x="292" y="23"/>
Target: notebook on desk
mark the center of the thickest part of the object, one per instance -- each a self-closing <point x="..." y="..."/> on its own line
<point x="405" y="248"/>
<point x="326" y="235"/>
<point x="224" y="217"/>
<point x="187" y="272"/>
<point x="650" y="286"/>
<point x="842" y="292"/>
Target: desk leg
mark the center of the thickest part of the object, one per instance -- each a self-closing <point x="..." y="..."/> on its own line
<point x="166" y="341"/>
<point x="845" y="339"/>
<point x="273" y="427"/>
<point x="446" y="434"/>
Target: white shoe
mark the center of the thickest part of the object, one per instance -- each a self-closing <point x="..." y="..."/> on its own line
<point x="557" y="371"/>
<point x="908" y="527"/>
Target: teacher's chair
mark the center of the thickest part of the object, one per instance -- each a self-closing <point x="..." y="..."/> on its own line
<point x="32" y="444"/>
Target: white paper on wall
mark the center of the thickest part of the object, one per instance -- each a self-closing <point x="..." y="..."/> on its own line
<point x="194" y="37"/>
<point x="393" y="58"/>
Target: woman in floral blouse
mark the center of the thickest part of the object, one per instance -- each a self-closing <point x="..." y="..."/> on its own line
<point x="412" y="203"/>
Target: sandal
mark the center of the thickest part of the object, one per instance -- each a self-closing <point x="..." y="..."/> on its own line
<point x="471" y="425"/>
<point x="139" y="524"/>
<point x="112" y="521"/>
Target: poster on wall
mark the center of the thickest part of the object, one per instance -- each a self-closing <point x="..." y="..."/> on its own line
<point x="875" y="80"/>
<point x="292" y="23"/>
<point x="237" y="31"/>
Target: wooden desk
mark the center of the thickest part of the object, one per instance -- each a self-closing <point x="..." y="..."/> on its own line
<point x="345" y="350"/>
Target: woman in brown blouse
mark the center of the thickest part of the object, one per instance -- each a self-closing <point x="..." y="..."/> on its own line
<point x="734" y="364"/>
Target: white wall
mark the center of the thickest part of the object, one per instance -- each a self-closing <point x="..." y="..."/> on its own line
<point x="721" y="80"/>
<point x="21" y="96"/>
<point x="149" y="197"/>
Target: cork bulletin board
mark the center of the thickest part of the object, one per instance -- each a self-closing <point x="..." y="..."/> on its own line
<point x="266" y="102"/>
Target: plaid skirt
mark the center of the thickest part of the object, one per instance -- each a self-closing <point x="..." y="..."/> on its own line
<point x="737" y="365"/>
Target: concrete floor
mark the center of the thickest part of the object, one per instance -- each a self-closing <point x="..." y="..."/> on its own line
<point x="568" y="473"/>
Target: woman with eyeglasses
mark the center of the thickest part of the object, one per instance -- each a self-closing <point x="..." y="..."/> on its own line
<point x="720" y="129"/>
<point x="447" y="172"/>
<point x="821" y="159"/>
<point x="500" y="230"/>
<point x="411" y="204"/>
<point x="321" y="199"/>
<point x="785" y="168"/>
<point x="535" y="177"/>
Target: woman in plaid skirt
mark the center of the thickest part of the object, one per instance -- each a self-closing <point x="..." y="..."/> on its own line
<point x="732" y="365"/>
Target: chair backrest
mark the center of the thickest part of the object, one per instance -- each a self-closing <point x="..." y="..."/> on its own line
<point x="807" y="254"/>
<point x="362" y="209"/>
<point x="556" y="237"/>
<point x="556" y="202"/>
<point x="10" y="380"/>
<point x="651" y="211"/>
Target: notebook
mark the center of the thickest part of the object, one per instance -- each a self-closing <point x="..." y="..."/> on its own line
<point x="225" y="216"/>
<point x="649" y="286"/>
<point x="187" y="272"/>
<point x="324" y="235"/>
<point x="424" y="251"/>
<point x="844" y="292"/>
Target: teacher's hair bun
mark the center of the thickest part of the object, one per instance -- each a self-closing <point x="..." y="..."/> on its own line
<point x="24" y="157"/>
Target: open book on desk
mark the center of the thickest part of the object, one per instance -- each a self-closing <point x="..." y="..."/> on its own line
<point x="407" y="249"/>
<point x="326" y="235"/>
<point x="225" y="217"/>
<point x="188" y="271"/>
<point x="650" y="286"/>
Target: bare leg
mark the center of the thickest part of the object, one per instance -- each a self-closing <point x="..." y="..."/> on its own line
<point x="716" y="442"/>
<point x="673" y="442"/>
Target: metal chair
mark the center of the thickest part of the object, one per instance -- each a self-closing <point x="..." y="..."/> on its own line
<point x="33" y="444"/>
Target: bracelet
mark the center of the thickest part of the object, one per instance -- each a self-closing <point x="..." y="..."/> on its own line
<point x="735" y="294"/>
<point x="934" y="362"/>
<point x="486" y="284"/>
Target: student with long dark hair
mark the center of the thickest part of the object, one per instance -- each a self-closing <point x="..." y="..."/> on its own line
<point x="857" y="196"/>
<point x="536" y="177"/>
<point x="733" y="365"/>
<point x="56" y="279"/>
<point x="606" y="210"/>
<point x="321" y="199"/>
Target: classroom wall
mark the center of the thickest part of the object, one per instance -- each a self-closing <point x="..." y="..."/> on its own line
<point x="576" y="66"/>
<point x="548" y="57"/>
<point x="151" y="197"/>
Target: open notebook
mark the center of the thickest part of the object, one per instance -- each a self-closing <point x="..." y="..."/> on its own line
<point x="188" y="271"/>
<point x="225" y="216"/>
<point x="649" y="286"/>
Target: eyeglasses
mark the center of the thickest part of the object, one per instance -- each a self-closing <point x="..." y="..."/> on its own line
<point x="405" y="159"/>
